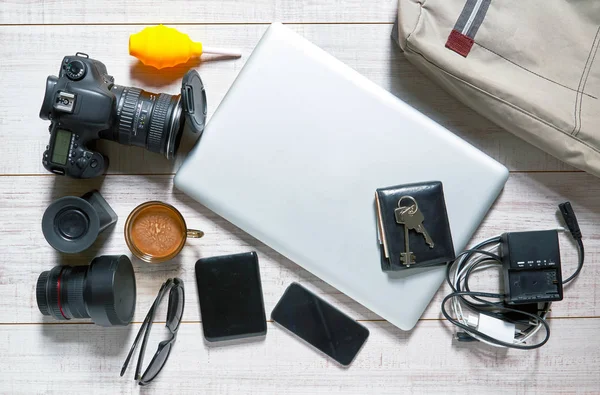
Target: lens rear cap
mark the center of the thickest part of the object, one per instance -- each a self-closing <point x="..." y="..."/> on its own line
<point x="194" y="100"/>
<point x="70" y="224"/>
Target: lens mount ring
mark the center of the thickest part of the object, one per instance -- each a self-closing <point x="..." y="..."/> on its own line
<point x="40" y="293"/>
<point x="48" y="293"/>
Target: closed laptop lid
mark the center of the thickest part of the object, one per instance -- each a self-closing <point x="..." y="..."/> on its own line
<point x="295" y="152"/>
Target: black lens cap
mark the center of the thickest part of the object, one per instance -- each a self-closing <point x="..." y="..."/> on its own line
<point x="111" y="290"/>
<point x="70" y="224"/>
<point x="193" y="96"/>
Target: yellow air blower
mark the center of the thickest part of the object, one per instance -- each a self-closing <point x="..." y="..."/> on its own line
<point x="161" y="46"/>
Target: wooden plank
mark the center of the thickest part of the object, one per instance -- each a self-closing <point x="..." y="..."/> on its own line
<point x="182" y="11"/>
<point x="528" y="202"/>
<point x="87" y="359"/>
<point x="31" y="53"/>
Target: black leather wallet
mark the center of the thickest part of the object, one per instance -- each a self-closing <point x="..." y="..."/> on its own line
<point x="429" y="197"/>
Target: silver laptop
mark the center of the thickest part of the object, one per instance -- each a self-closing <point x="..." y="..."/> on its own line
<point x="293" y="156"/>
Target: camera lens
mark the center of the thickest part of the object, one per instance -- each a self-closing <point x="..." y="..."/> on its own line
<point x="149" y="120"/>
<point x="103" y="291"/>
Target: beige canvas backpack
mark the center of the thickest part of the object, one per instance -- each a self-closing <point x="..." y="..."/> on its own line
<point x="530" y="66"/>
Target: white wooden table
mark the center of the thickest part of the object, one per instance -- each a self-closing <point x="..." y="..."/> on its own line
<point x="41" y="355"/>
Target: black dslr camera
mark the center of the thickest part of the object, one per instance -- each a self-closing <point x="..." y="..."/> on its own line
<point x="84" y="105"/>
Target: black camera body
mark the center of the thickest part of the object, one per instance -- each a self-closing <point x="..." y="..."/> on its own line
<point x="84" y="105"/>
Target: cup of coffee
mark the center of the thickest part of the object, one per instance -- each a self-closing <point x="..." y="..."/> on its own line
<point x="156" y="232"/>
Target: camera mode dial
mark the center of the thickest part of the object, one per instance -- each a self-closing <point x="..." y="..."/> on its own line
<point x="75" y="70"/>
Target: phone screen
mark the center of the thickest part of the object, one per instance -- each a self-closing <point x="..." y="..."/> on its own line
<point x="320" y="324"/>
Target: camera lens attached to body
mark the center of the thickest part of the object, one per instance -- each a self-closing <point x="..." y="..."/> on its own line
<point x="153" y="121"/>
<point x="84" y="105"/>
<point x="72" y="224"/>
<point x="104" y="291"/>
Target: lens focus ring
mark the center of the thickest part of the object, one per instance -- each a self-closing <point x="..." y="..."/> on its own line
<point x="127" y="114"/>
<point x="157" y="123"/>
<point x="75" y="297"/>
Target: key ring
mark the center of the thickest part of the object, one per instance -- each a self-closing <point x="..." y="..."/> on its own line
<point x="416" y="205"/>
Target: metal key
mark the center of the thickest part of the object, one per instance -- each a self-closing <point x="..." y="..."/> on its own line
<point x="413" y="219"/>
<point x="407" y="257"/>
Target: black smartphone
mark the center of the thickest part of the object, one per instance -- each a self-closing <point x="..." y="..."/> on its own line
<point x="320" y="324"/>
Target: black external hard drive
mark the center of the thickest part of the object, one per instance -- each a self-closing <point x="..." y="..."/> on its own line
<point x="231" y="299"/>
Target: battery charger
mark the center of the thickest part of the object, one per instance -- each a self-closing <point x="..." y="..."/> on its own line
<point x="531" y="267"/>
<point x="532" y="277"/>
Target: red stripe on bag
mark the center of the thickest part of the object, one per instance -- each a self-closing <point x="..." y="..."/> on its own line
<point x="459" y="43"/>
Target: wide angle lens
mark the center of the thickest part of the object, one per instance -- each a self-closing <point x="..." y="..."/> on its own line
<point x="104" y="291"/>
<point x="149" y="120"/>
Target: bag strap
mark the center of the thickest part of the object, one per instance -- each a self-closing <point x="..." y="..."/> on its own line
<point x="461" y="38"/>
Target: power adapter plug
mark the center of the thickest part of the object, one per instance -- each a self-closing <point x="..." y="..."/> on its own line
<point x="531" y="266"/>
